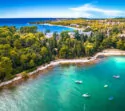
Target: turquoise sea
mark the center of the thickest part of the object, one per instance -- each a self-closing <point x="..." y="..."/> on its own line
<point x="57" y="91"/>
<point x="20" y="22"/>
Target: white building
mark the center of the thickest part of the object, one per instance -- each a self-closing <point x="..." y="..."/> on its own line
<point x="86" y="33"/>
<point x="71" y="34"/>
<point x="74" y="25"/>
<point x="122" y="35"/>
<point x="49" y="35"/>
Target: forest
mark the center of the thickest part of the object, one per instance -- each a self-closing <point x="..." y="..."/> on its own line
<point x="24" y="49"/>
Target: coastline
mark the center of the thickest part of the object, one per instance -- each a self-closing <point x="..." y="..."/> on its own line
<point x="107" y="52"/>
<point x="62" y="26"/>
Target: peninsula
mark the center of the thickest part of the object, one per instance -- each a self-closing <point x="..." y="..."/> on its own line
<point x="26" y="48"/>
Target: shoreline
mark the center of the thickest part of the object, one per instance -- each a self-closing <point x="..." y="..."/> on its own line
<point x="104" y="53"/>
<point x="62" y="26"/>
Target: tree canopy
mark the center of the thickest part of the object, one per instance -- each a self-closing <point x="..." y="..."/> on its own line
<point x="26" y="48"/>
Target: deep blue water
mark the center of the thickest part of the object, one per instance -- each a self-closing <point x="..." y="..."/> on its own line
<point x="6" y="21"/>
<point x="19" y="22"/>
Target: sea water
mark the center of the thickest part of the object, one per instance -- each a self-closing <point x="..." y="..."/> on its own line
<point x="56" y="90"/>
<point x="20" y="22"/>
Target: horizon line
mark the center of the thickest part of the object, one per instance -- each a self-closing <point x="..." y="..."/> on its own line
<point x="61" y="17"/>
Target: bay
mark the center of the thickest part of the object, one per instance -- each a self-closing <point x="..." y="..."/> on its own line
<point x="20" y="22"/>
<point x="57" y="91"/>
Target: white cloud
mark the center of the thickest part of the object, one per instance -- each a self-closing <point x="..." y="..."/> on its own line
<point x="89" y="10"/>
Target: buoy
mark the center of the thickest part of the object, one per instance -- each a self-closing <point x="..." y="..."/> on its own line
<point x="111" y="98"/>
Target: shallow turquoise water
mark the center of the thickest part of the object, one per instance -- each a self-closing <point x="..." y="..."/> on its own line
<point x="20" y="22"/>
<point x="56" y="90"/>
<point x="42" y="27"/>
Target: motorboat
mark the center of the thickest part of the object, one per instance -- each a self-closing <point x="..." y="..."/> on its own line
<point x="78" y="82"/>
<point x="116" y="76"/>
<point x="86" y="95"/>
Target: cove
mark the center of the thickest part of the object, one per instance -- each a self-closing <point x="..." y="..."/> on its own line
<point x="57" y="91"/>
<point x="21" y="22"/>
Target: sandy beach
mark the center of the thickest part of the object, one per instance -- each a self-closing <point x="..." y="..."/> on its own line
<point x="63" y="26"/>
<point x="108" y="52"/>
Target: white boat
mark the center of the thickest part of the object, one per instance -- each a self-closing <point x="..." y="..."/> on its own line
<point x="86" y="95"/>
<point x="105" y="86"/>
<point x="78" y="82"/>
<point x="116" y="76"/>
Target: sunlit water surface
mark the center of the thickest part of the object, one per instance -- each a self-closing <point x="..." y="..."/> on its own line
<point x="57" y="91"/>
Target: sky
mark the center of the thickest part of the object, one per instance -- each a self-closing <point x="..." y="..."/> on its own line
<point x="62" y="8"/>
